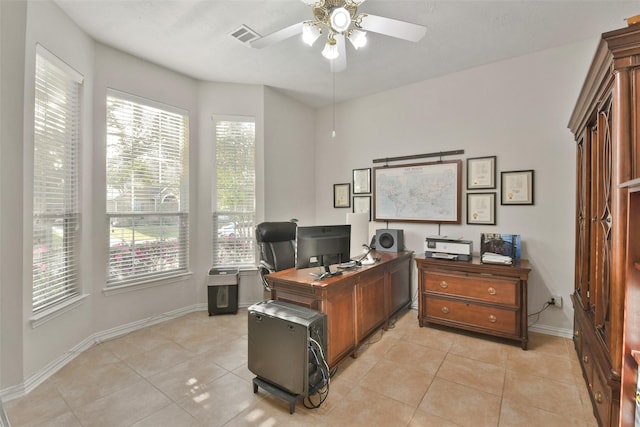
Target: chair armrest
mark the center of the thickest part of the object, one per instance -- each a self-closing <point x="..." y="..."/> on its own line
<point x="266" y="266"/>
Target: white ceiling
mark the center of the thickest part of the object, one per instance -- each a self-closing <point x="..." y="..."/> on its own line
<point x="193" y="38"/>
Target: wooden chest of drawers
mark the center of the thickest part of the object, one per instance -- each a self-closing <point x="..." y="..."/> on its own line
<point x="486" y="298"/>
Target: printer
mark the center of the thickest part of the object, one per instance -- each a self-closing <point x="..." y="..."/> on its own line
<point x="442" y="247"/>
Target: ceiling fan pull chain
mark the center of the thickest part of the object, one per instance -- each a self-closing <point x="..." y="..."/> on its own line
<point x="333" y="133"/>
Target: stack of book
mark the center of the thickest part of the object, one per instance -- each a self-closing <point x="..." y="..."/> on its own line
<point x="493" y="258"/>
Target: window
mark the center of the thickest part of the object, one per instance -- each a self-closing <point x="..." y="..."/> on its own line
<point x="147" y="189"/>
<point x="56" y="207"/>
<point x="235" y="193"/>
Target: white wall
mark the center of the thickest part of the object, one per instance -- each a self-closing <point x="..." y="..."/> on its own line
<point x="517" y="110"/>
<point x="48" y="26"/>
<point x="13" y="16"/>
<point x="289" y="159"/>
<point x="117" y="70"/>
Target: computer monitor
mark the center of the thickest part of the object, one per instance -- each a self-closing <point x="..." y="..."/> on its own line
<point x="322" y="245"/>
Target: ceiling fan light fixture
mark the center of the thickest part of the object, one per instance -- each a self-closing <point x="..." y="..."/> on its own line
<point x="340" y="19"/>
<point x="310" y="33"/>
<point x="357" y="38"/>
<point x="330" y="50"/>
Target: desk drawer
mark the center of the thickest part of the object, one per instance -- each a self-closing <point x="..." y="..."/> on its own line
<point x="491" y="318"/>
<point x="486" y="288"/>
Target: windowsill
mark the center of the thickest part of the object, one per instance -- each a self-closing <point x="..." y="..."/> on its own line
<point x="53" y="312"/>
<point x="242" y="269"/>
<point x="144" y="284"/>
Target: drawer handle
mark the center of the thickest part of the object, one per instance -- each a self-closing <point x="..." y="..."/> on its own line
<point x="577" y="334"/>
<point x="445" y="310"/>
<point x="444" y="285"/>
<point x="492" y="318"/>
<point x="491" y="291"/>
<point x="599" y="397"/>
<point x="585" y="359"/>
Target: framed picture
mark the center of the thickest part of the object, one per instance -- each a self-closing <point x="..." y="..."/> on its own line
<point x="517" y="187"/>
<point x="481" y="208"/>
<point x="362" y="204"/>
<point x="361" y="181"/>
<point x="419" y="192"/>
<point x="481" y="173"/>
<point x="342" y="195"/>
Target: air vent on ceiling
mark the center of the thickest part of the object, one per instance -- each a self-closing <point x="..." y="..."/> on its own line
<point x="245" y="34"/>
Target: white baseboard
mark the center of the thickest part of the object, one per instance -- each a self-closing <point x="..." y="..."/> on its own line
<point x="4" y="420"/>
<point x="549" y="330"/>
<point x="54" y="366"/>
<point x="143" y="323"/>
<point x="41" y="376"/>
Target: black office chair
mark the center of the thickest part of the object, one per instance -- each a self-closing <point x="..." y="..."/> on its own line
<point x="277" y="242"/>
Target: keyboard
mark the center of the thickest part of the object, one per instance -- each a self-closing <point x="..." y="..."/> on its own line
<point x="348" y="264"/>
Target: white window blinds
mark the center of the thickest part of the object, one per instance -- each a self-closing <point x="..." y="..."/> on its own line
<point x="56" y="208"/>
<point x="147" y="189"/>
<point x="235" y="194"/>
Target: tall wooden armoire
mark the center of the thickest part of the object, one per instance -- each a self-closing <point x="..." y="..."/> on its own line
<point x="606" y="125"/>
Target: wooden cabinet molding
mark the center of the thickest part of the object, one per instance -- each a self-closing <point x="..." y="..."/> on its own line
<point x="605" y="123"/>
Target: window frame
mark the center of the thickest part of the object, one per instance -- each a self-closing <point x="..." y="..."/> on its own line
<point x="135" y="262"/>
<point x="56" y="198"/>
<point x="243" y="221"/>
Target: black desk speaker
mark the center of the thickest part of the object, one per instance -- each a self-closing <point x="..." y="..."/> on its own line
<point x="389" y="240"/>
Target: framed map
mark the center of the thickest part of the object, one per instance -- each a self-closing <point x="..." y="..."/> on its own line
<point x="419" y="192"/>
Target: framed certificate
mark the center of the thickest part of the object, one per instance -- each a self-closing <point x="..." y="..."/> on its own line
<point x="517" y="187"/>
<point x="362" y="204"/>
<point x="481" y="173"/>
<point x="361" y="181"/>
<point x="342" y="195"/>
<point x="481" y="208"/>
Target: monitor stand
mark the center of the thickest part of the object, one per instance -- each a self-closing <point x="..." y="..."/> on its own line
<point x="327" y="273"/>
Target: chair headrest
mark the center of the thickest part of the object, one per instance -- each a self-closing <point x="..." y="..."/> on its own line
<point x="275" y="231"/>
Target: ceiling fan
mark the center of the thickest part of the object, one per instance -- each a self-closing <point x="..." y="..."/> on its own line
<point x="340" y="19"/>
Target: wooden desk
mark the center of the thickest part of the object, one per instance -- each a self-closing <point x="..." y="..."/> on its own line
<point x="357" y="303"/>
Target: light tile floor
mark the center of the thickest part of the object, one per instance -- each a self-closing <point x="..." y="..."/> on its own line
<point x="192" y="371"/>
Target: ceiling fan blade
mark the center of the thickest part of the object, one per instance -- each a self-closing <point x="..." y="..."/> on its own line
<point x="313" y="2"/>
<point x="278" y="36"/>
<point x="393" y="27"/>
<point x="340" y="63"/>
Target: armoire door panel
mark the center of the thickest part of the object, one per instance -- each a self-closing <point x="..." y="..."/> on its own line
<point x="583" y="222"/>
<point x="606" y="125"/>
<point x="603" y="221"/>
